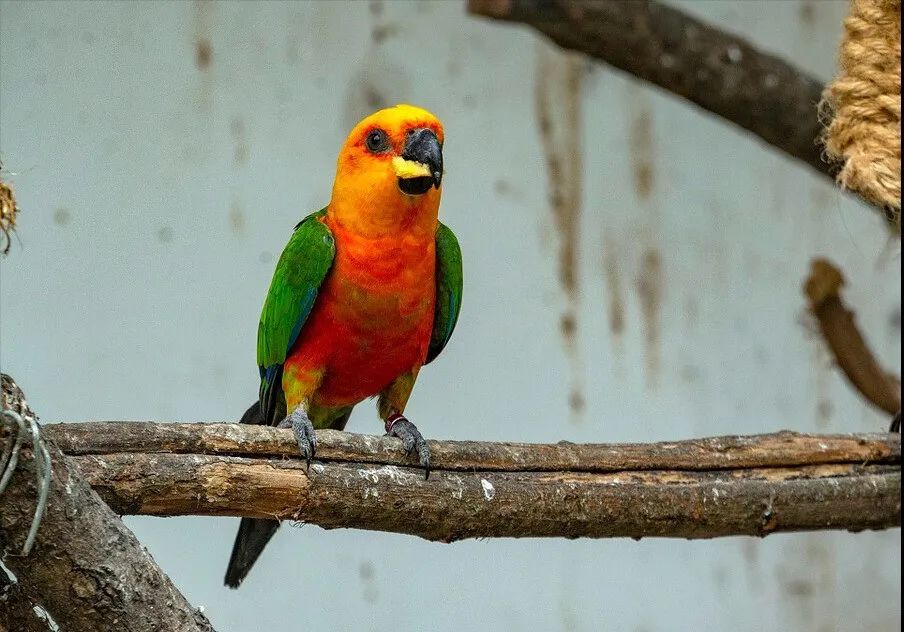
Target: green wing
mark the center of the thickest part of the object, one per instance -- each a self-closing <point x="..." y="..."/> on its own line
<point x="448" y="290"/>
<point x="301" y="270"/>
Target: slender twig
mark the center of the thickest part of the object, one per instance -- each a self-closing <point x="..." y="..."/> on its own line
<point x="16" y="439"/>
<point x="843" y="338"/>
<point x="43" y="467"/>
<point x="43" y="476"/>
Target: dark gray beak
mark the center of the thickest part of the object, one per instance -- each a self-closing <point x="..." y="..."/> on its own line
<point x="422" y="145"/>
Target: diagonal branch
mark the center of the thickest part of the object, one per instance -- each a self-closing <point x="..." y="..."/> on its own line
<point x="689" y="489"/>
<point x="86" y="568"/>
<point x="718" y="71"/>
<point x="17" y="609"/>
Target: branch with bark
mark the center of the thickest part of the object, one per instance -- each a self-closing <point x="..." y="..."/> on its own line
<point x="718" y="71"/>
<point x="689" y="489"/>
<point x="839" y="329"/>
<point x="17" y="609"/>
<point x="86" y="568"/>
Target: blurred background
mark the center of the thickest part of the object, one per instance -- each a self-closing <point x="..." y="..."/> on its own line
<point x="162" y="152"/>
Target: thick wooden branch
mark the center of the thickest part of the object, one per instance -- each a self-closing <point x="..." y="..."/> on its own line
<point x="690" y="489"/>
<point x="718" y="71"/>
<point x="17" y="609"/>
<point x="839" y="329"/>
<point x="86" y="568"/>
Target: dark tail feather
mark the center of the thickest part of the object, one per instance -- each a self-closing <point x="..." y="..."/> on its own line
<point x="254" y="415"/>
<point x="339" y="422"/>
<point x="254" y="533"/>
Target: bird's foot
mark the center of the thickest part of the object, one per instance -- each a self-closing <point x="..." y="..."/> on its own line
<point x="397" y="425"/>
<point x="303" y="430"/>
<point x="896" y="423"/>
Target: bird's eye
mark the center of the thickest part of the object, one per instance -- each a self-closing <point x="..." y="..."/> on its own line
<point x="377" y="141"/>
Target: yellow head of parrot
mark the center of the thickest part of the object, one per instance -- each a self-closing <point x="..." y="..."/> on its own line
<point x="390" y="170"/>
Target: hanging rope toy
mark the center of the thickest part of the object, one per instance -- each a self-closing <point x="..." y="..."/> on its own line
<point x="862" y="106"/>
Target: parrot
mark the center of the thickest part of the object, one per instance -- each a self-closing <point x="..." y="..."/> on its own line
<point x="366" y="292"/>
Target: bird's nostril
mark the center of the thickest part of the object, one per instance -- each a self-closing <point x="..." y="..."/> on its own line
<point x="420" y="132"/>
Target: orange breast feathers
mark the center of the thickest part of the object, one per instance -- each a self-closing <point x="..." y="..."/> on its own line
<point x="373" y="317"/>
<point x="372" y="320"/>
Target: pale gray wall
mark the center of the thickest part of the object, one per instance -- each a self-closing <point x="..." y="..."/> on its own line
<point x="157" y="194"/>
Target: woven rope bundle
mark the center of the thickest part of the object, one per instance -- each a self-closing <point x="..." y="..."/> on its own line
<point x="8" y="210"/>
<point x="863" y="105"/>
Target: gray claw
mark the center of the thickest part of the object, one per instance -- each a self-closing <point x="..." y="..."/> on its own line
<point x="412" y="440"/>
<point x="303" y="430"/>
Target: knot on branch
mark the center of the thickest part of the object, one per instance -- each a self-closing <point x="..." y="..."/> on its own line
<point x="825" y="281"/>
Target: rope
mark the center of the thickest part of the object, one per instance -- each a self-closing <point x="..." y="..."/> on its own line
<point x="863" y="105"/>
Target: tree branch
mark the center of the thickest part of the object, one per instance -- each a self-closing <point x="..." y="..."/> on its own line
<point x="17" y="610"/>
<point x="86" y="568"/>
<point x="720" y="72"/>
<point x="839" y="329"/>
<point x="689" y="489"/>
